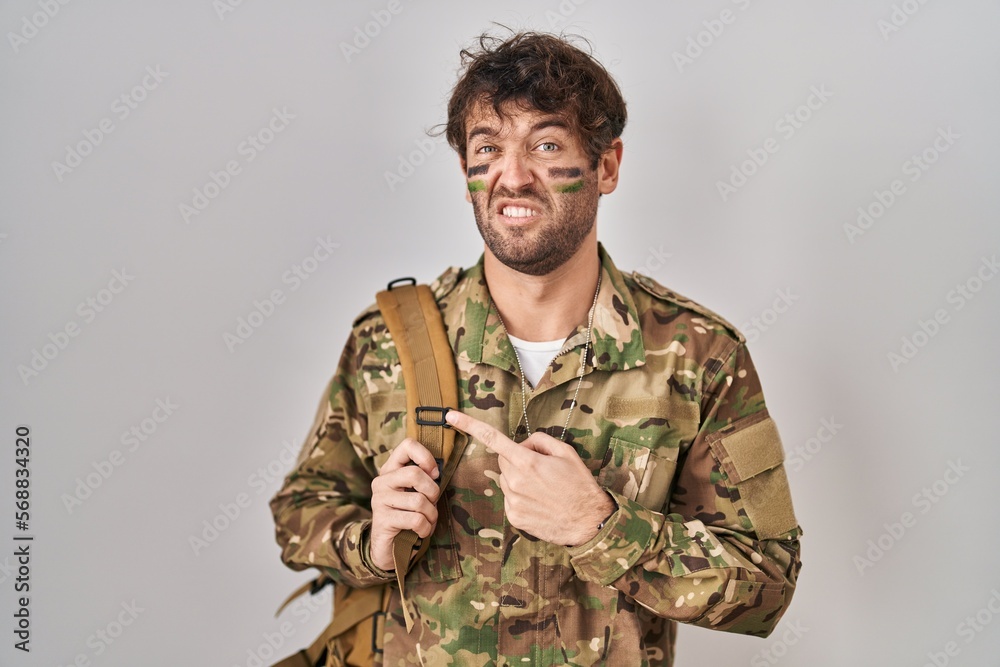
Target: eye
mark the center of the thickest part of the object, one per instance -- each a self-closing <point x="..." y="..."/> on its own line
<point x="552" y="147"/>
<point x="484" y="149"/>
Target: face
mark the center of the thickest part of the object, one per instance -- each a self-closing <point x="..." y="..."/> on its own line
<point x="532" y="188"/>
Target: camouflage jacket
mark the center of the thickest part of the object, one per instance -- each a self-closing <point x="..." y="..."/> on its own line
<point x="672" y="422"/>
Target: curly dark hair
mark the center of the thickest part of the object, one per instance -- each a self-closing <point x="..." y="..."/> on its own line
<point x="538" y="71"/>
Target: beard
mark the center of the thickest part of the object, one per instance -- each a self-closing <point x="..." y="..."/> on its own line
<point x="544" y="246"/>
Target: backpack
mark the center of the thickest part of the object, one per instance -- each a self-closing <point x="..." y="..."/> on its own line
<point x="354" y="635"/>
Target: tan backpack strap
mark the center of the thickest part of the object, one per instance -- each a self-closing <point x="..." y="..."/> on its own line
<point x="414" y="321"/>
<point x="401" y="547"/>
<point x="312" y="587"/>
<point x="461" y="440"/>
<point x="355" y="606"/>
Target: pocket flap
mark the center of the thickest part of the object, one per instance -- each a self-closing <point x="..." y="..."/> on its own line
<point x="623" y="467"/>
<point x="752" y="459"/>
<point x="751" y="450"/>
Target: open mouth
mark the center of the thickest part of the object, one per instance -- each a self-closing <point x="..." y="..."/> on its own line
<point x="519" y="212"/>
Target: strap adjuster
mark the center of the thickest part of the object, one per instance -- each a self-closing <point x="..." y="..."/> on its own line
<point x="412" y="281"/>
<point x="421" y="409"/>
<point x="378" y="630"/>
<point x="318" y="584"/>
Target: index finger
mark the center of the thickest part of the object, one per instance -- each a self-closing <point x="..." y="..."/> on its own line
<point x="410" y="451"/>
<point x="486" y="434"/>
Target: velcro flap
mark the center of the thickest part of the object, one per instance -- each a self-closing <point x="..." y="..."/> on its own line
<point x="753" y="449"/>
<point x="752" y="458"/>
<point x="636" y="407"/>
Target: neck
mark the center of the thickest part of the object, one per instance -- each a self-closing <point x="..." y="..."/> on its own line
<point x="549" y="307"/>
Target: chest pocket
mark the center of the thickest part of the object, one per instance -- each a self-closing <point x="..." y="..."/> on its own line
<point x="637" y="473"/>
<point x="386" y="429"/>
<point x="642" y="453"/>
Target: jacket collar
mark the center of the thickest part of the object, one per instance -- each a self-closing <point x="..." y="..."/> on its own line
<point x="477" y="334"/>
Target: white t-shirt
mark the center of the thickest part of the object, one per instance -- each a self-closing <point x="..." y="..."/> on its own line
<point x="535" y="356"/>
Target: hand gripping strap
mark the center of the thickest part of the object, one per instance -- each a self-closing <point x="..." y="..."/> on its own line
<point x="414" y="321"/>
<point x="415" y="324"/>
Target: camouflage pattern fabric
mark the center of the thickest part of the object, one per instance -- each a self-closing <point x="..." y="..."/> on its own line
<point x="672" y="422"/>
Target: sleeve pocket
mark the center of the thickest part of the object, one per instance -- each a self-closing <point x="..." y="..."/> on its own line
<point x="752" y="458"/>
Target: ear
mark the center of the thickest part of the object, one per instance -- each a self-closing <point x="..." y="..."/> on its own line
<point x="465" y="177"/>
<point x="608" y="167"/>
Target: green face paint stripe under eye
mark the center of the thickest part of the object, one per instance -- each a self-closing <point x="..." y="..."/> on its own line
<point x="477" y="186"/>
<point x="565" y="172"/>
<point x="575" y="186"/>
<point x="478" y="170"/>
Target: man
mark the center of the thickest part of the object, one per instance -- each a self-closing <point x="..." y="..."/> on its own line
<point x="623" y="472"/>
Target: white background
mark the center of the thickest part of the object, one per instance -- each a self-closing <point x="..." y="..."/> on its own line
<point x="357" y="116"/>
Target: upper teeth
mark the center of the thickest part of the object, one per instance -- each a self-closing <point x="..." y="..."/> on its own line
<point x="517" y="212"/>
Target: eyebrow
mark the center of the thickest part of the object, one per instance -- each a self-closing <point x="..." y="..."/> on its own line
<point x="540" y="125"/>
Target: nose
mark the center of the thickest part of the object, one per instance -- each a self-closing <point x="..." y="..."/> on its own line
<point x="516" y="172"/>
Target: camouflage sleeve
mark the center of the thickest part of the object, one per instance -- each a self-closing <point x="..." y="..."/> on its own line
<point x="322" y="512"/>
<point x="725" y="554"/>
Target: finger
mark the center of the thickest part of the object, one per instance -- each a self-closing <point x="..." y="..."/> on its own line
<point x="401" y="501"/>
<point x="511" y="469"/>
<point x="410" y="451"/>
<point x="543" y="443"/>
<point x="408" y="479"/>
<point x="393" y="522"/>
<point x="503" y="481"/>
<point x="486" y="434"/>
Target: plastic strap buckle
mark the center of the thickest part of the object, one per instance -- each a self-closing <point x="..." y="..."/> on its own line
<point x="421" y="409"/>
